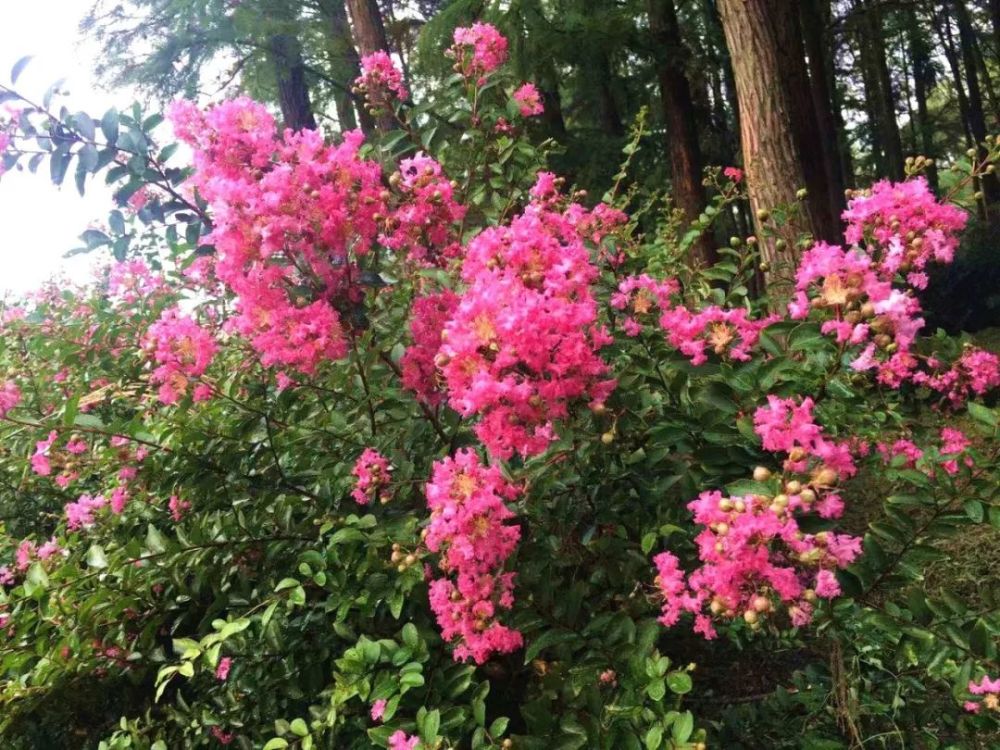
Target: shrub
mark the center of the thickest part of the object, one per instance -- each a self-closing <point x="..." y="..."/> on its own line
<point x="399" y="444"/>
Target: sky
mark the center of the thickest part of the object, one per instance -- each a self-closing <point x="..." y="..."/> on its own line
<point x="38" y="221"/>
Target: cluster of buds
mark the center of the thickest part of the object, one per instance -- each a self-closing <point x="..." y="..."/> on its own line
<point x="401" y="559"/>
<point x="373" y="473"/>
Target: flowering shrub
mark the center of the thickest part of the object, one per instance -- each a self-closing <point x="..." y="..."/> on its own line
<point x="580" y="449"/>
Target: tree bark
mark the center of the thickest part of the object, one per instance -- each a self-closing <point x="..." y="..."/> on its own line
<point x="369" y="37"/>
<point x="814" y="18"/>
<point x="923" y="84"/>
<point x="678" y="115"/>
<point x="290" y="78"/>
<point x="879" y="94"/>
<point x="345" y="66"/>
<point x="719" y="55"/>
<point x="995" y="19"/>
<point x="778" y="130"/>
<point x="609" y="117"/>
<point x="369" y="31"/>
<point x="977" y="119"/>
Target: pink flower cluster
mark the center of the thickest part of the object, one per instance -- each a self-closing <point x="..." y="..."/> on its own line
<point x="975" y="372"/>
<point x="905" y="453"/>
<point x="989" y="690"/>
<point x="728" y="333"/>
<point x="132" y="281"/>
<point x="10" y="396"/>
<point x="478" y="51"/>
<point x="178" y="507"/>
<point x="426" y="223"/>
<point x="40" y="462"/>
<point x="28" y="552"/>
<point x="469" y="530"/>
<point x="381" y="81"/>
<point x="529" y="100"/>
<point x="182" y="350"/>
<point x="427" y="318"/>
<point x="400" y="740"/>
<point x="866" y="309"/>
<point x="642" y="295"/>
<point x="523" y="342"/>
<point x="4" y="142"/>
<point x="904" y="228"/>
<point x="223" y="667"/>
<point x="373" y="473"/>
<point x="753" y="551"/>
<point x="290" y="216"/>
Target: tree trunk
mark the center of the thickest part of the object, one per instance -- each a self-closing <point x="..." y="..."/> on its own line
<point x="609" y="118"/>
<point x="678" y="115"/>
<point x="369" y="31"/>
<point x="290" y="78"/>
<point x="995" y="19"/>
<point x="548" y="86"/>
<point x="977" y="119"/>
<point x="719" y="56"/>
<point x="943" y="28"/>
<point x="923" y="84"/>
<point x="345" y="67"/>
<point x="878" y="89"/>
<point x="369" y="37"/>
<point x="814" y="19"/>
<point x="778" y="131"/>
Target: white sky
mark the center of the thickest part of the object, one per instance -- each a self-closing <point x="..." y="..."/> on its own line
<point x="38" y="221"/>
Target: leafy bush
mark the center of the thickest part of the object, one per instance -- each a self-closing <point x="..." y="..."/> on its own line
<point x="356" y="446"/>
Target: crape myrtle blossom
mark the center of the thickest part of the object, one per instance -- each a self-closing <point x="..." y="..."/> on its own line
<point x="865" y="292"/>
<point x="381" y="81"/>
<point x="728" y="333"/>
<point x="132" y="281"/>
<point x="989" y="692"/>
<point x="372" y="473"/>
<point x="291" y="216"/>
<point x="10" y="396"/>
<point x="427" y="318"/>
<point x="904" y="228"/>
<point x="182" y="350"/>
<point x="425" y="224"/>
<point x="522" y="344"/>
<point x="754" y="555"/>
<point x="478" y="50"/>
<point x="470" y="530"/>
<point x="529" y="100"/>
<point x="400" y="740"/>
<point x="975" y="372"/>
<point x="642" y="296"/>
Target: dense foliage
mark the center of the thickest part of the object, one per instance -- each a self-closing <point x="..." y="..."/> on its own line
<point x="399" y="442"/>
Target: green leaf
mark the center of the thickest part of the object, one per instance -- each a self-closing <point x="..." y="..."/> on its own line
<point x="299" y="727"/>
<point x="679" y="682"/>
<point x="155" y="542"/>
<point x="683" y="727"/>
<point x="19" y="67"/>
<point x="546" y="639"/>
<point x="656" y="690"/>
<point x="276" y="743"/>
<point x="429" y="727"/>
<point x="96" y="557"/>
<point x="109" y="126"/>
<point x="979" y="638"/>
<point x="654" y="738"/>
<point x="982" y="415"/>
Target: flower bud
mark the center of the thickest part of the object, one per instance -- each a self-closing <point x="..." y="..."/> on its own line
<point x="761" y="474"/>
